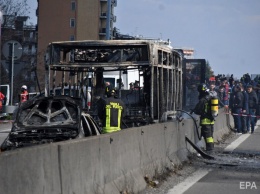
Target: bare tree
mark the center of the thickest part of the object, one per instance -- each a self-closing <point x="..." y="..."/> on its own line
<point x="14" y="12"/>
<point x="10" y="9"/>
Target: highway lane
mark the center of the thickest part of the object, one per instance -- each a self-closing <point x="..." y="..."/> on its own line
<point x="225" y="180"/>
<point x="236" y="170"/>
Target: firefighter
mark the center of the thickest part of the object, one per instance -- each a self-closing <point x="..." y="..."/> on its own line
<point x="207" y="108"/>
<point x="110" y="112"/>
<point x="24" y="95"/>
<point x="108" y="88"/>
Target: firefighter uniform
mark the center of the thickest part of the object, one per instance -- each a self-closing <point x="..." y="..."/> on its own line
<point x="204" y="109"/>
<point x="111" y="111"/>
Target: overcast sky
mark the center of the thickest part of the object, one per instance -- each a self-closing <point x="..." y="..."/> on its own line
<point x="224" y="32"/>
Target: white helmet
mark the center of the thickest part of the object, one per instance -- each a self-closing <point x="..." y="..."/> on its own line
<point x="24" y="87"/>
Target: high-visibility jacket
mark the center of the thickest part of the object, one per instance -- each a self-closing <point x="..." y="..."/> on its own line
<point x="2" y="97"/>
<point x="203" y="109"/>
<point x="111" y="111"/>
<point x="24" y="96"/>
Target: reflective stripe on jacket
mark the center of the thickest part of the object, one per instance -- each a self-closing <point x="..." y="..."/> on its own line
<point x="204" y="110"/>
<point x="113" y="117"/>
<point x="111" y="112"/>
<point x="205" y="120"/>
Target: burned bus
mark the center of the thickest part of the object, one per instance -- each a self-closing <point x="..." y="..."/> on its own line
<point x="146" y="74"/>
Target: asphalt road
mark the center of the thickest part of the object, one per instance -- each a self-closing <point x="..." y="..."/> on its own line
<point x="220" y="181"/>
<point x="235" y="170"/>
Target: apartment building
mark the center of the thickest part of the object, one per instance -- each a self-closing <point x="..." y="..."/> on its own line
<point x="63" y="20"/>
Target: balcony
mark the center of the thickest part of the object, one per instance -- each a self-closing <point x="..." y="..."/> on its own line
<point x="103" y="15"/>
<point x="102" y="31"/>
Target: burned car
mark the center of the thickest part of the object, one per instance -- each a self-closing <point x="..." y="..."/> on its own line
<point x="49" y="119"/>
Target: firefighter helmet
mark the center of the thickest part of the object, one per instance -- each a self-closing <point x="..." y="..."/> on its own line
<point x="202" y="88"/>
<point x="24" y="87"/>
<point x="111" y="92"/>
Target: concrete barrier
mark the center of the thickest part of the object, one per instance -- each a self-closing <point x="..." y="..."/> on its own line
<point x="221" y="125"/>
<point x="32" y="170"/>
<point x="9" y="109"/>
<point x="109" y="163"/>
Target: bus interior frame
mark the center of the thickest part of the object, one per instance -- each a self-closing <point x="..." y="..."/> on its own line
<point x="154" y="97"/>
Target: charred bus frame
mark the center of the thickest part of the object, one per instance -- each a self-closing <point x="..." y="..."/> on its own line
<point x="159" y="66"/>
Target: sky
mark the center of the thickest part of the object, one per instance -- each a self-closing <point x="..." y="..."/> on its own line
<point x="224" y="32"/>
<point x="33" y="6"/>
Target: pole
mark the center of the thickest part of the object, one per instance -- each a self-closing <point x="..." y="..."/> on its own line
<point x="12" y="74"/>
<point x="0" y="44"/>
<point x="0" y="54"/>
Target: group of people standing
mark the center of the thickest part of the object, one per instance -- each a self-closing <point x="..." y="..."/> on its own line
<point x="241" y="98"/>
<point x="244" y="104"/>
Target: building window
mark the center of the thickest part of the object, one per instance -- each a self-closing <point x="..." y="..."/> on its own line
<point x="33" y="50"/>
<point x="26" y="49"/>
<point x="73" y="5"/>
<point x="31" y="35"/>
<point x="72" y="22"/>
<point x="72" y="37"/>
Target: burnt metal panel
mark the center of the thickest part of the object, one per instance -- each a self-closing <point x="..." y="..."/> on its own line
<point x="157" y="63"/>
<point x="194" y="73"/>
<point x="45" y="120"/>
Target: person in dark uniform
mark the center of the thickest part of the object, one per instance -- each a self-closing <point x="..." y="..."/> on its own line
<point x="257" y="89"/>
<point x="111" y="111"/>
<point x="203" y="108"/>
<point x="252" y="105"/>
<point x="237" y="104"/>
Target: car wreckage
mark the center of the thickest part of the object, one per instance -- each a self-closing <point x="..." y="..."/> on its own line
<point x="49" y="119"/>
